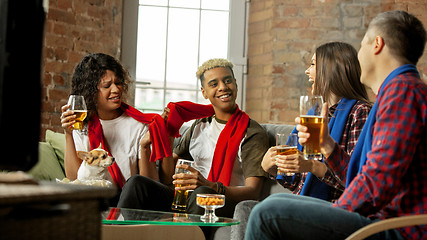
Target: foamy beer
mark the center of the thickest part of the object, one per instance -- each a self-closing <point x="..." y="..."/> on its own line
<point x="286" y="146"/>
<point x="78" y="105"/>
<point x="310" y="114"/>
<point x="179" y="202"/>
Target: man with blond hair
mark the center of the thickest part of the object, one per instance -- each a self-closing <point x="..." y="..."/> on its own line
<point x="226" y="146"/>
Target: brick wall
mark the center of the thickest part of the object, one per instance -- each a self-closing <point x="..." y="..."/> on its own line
<point x="74" y="28"/>
<point x="283" y="35"/>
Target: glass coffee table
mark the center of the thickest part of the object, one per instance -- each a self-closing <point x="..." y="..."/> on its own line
<point x="125" y="216"/>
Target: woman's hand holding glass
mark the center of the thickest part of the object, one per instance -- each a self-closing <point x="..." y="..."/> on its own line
<point x="295" y="163"/>
<point x="327" y="143"/>
<point x="73" y="113"/>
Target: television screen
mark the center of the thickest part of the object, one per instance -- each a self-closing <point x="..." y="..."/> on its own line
<point x="21" y="37"/>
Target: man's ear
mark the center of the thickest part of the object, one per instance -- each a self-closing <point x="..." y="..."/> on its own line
<point x="378" y="45"/>
<point x="205" y="95"/>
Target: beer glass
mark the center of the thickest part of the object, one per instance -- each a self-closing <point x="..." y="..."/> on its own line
<point x="179" y="202"/>
<point x="286" y="146"/>
<point x="78" y="105"/>
<point x="311" y="117"/>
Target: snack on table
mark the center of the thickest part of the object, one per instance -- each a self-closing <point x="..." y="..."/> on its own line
<point x="210" y="199"/>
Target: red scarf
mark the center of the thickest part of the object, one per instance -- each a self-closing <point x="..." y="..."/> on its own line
<point x="228" y="141"/>
<point x="157" y="128"/>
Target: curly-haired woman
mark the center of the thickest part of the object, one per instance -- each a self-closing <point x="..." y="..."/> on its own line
<point x="103" y="82"/>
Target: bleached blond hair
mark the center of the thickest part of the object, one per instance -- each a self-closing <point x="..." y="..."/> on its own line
<point x="213" y="63"/>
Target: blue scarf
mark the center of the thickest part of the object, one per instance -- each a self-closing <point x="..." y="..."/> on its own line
<point x="313" y="186"/>
<point x="364" y="144"/>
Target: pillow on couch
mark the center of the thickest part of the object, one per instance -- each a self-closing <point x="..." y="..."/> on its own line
<point x="57" y="141"/>
<point x="47" y="168"/>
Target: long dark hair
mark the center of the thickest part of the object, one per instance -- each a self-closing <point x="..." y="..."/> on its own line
<point x="89" y="72"/>
<point x="338" y="71"/>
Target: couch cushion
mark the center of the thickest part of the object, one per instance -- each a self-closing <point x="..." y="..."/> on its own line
<point x="57" y="141"/>
<point x="48" y="167"/>
<point x="272" y="129"/>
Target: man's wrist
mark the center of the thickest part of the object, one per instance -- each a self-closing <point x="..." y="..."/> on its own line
<point x="220" y="188"/>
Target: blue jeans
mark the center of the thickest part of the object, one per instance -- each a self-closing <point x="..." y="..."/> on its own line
<point x="289" y="216"/>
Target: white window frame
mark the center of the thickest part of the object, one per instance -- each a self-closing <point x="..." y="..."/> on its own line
<point x="237" y="43"/>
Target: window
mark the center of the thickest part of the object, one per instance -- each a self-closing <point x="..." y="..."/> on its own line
<point x="173" y="37"/>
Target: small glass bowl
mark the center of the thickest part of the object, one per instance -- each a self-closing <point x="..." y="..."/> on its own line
<point x="210" y="202"/>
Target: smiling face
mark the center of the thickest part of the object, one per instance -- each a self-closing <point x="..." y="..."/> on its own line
<point x="110" y="91"/>
<point x="311" y="72"/>
<point x="219" y="86"/>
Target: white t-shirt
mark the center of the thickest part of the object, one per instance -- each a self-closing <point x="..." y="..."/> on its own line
<point x="202" y="148"/>
<point x="123" y="136"/>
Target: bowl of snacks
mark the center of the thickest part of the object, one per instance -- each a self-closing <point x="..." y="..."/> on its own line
<point x="210" y="202"/>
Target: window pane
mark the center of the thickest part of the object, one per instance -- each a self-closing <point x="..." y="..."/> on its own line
<point x="213" y="35"/>
<point x="183" y="39"/>
<point x="154" y="2"/>
<point x="151" y="48"/>
<point x="185" y="3"/>
<point x="216" y="4"/>
<point x="149" y="99"/>
<point x="180" y="95"/>
<point x="201" y="99"/>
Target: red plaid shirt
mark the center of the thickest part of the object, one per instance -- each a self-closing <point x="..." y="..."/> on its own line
<point x="355" y="121"/>
<point x="394" y="178"/>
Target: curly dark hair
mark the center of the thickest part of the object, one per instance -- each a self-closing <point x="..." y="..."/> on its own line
<point x="89" y="72"/>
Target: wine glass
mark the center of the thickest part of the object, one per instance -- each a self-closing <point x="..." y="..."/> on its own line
<point x="78" y="105"/>
<point x="210" y="202"/>
<point x="311" y="117"/>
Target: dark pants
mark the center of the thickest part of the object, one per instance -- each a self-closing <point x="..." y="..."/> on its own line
<point x="144" y="193"/>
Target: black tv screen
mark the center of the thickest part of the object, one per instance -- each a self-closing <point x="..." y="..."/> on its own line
<point x="21" y="37"/>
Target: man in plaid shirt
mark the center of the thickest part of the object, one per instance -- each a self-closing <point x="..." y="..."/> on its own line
<point x="387" y="173"/>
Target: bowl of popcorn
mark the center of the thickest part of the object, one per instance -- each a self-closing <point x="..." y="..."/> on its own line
<point x="210" y="202"/>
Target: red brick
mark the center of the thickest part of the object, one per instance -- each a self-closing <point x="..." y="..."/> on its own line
<point x="64" y="4"/>
<point x="58" y="80"/>
<point x="290" y="11"/>
<point x="325" y="23"/>
<point x="292" y="23"/>
<point x="61" y="16"/>
<point x="58" y="41"/>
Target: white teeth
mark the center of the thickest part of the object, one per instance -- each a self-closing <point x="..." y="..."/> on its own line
<point x="225" y="96"/>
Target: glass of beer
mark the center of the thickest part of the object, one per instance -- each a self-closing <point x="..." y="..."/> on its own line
<point x="179" y="202"/>
<point x="78" y="105"/>
<point x="311" y="117"/>
<point x="286" y="146"/>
